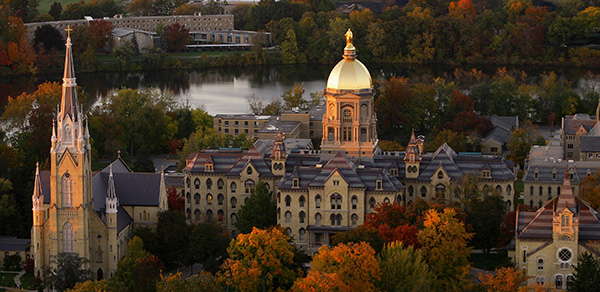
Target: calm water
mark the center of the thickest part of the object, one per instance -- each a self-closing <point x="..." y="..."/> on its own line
<point x="224" y="90"/>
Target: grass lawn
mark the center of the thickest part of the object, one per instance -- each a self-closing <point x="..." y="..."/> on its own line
<point x="6" y="279"/>
<point x="27" y="281"/>
<point x="491" y="262"/>
<point x="44" y="6"/>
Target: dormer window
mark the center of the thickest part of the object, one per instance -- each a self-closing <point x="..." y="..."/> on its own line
<point x="554" y="174"/>
<point x="440" y="174"/>
<point x="208" y="167"/>
<point x="565" y="221"/>
<point x="536" y="174"/>
<point x="249" y="170"/>
<point x="486" y="173"/>
<point x="295" y="183"/>
<point x="394" y="171"/>
<point x="336" y="182"/>
<point x="588" y="172"/>
<point x="379" y="185"/>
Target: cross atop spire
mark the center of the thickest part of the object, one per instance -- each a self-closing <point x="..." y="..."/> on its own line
<point x="68" y="30"/>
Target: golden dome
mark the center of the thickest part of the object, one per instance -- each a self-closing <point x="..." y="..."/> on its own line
<point x="349" y="73"/>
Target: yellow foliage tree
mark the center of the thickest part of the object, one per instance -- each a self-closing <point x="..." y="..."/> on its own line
<point x="346" y="267"/>
<point x="509" y="280"/>
<point x="260" y="261"/>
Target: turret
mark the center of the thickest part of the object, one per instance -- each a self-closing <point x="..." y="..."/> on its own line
<point x="412" y="158"/>
<point x="112" y="203"/>
<point x="278" y="156"/>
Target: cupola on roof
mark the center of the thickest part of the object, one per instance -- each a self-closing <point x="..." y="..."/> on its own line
<point x="349" y="73"/>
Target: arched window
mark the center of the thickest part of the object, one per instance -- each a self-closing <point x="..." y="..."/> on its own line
<point x="540" y="191"/>
<point x="278" y="197"/>
<point x="288" y="232"/>
<point x="187" y="182"/>
<point x="209" y="199"/>
<point x="288" y="201"/>
<point x="301" y="216"/>
<point x="354" y="219"/>
<point x="220" y="215"/>
<point x="188" y="197"/>
<point x="549" y="193"/>
<point x="267" y="186"/>
<point x="411" y="190"/>
<point x="318" y="201"/>
<point x="197" y="199"/>
<point x="540" y="204"/>
<point x="338" y="219"/>
<point x="249" y="185"/>
<point x="145" y="216"/>
<point x="288" y="217"/>
<point x="498" y="190"/>
<point x="189" y="213"/>
<point x="440" y="191"/>
<point x="209" y="215"/>
<point x="249" y="170"/>
<point x="558" y="281"/>
<point x="423" y="192"/>
<point x="531" y="191"/>
<point x="318" y="219"/>
<point x="530" y="204"/>
<point x="332" y="218"/>
<point x="233" y="187"/>
<point x="508" y="190"/>
<point x="197" y="183"/>
<point x="197" y="215"/>
<point x="302" y="233"/>
<point x="278" y="213"/>
<point x="208" y="183"/>
<point x="540" y="264"/>
<point x="440" y="174"/>
<point x="336" y="201"/>
<point x="347" y="115"/>
<point x="68" y="238"/>
<point x="220" y="184"/>
<point x="99" y="274"/>
<point x="508" y="205"/>
<point x="354" y="202"/>
<point x="301" y="201"/>
<point x="220" y="199"/>
<point x="233" y="202"/>
<point x="245" y="200"/>
<point x="386" y="200"/>
<point x="233" y="218"/>
<point x="372" y="202"/>
<point x="67" y="190"/>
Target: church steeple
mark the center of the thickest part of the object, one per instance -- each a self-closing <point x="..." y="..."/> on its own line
<point x="38" y="196"/>
<point x="111" y="195"/>
<point x="69" y="104"/>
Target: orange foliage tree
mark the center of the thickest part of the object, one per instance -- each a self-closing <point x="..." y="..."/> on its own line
<point x="346" y="267"/>
<point x="509" y="280"/>
<point x="394" y="223"/>
<point x="175" y="201"/>
<point x="16" y="55"/>
<point x="100" y="30"/>
<point x="462" y="8"/>
<point x="260" y="261"/>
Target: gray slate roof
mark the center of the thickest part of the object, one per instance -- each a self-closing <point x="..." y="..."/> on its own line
<point x="572" y="123"/>
<point x="11" y="243"/>
<point x="498" y="134"/>
<point x="590" y="143"/>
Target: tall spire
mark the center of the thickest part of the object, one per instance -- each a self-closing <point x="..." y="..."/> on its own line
<point x="38" y="196"/>
<point x="111" y="195"/>
<point x="69" y="105"/>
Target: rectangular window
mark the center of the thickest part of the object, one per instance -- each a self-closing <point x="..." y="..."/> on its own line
<point x="569" y="146"/>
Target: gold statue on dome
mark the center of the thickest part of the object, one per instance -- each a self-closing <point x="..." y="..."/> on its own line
<point x="349" y="37"/>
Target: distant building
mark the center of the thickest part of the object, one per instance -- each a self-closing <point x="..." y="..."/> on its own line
<point x="121" y="36"/>
<point x="10" y="245"/>
<point x="549" y="241"/>
<point x="236" y="124"/>
<point x="495" y="142"/>
<point x="578" y="135"/>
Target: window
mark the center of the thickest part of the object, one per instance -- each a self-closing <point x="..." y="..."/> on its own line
<point x="411" y="190"/>
<point x="554" y="175"/>
<point x="318" y="219"/>
<point x="372" y="202"/>
<point x="302" y="233"/>
<point x="220" y="199"/>
<point x="338" y="219"/>
<point x="249" y="185"/>
<point x="531" y="191"/>
<point x="569" y="281"/>
<point x="386" y="200"/>
<point x="187" y="182"/>
<point x="208" y="183"/>
<point x="301" y="216"/>
<point x="209" y="215"/>
<point x="498" y="190"/>
<point x="540" y="264"/>
<point x="249" y="170"/>
<point x="301" y="201"/>
<point x="220" y="184"/>
<point x="332" y="218"/>
<point x="558" y="281"/>
<point x="318" y="202"/>
<point x="295" y="183"/>
<point x="288" y="217"/>
<point x="197" y="199"/>
<point x="565" y="221"/>
<point x="440" y="174"/>
<point x="536" y="174"/>
<point x="220" y="215"/>
<point x="68" y="238"/>
<point x="524" y="256"/>
<point x="354" y="219"/>
<point x="67" y="190"/>
<point x="233" y="187"/>
<point x="508" y="190"/>
<point x="347" y="115"/>
<point x="540" y="191"/>
<point x="423" y="192"/>
<point x="233" y="218"/>
<point x="233" y="202"/>
<point x="288" y="201"/>
<point x="564" y="255"/>
<point x="209" y="198"/>
<point x="197" y="183"/>
<point x="354" y="202"/>
<point x="379" y="185"/>
<point x="336" y="201"/>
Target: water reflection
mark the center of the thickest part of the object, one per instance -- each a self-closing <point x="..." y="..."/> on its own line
<point x="223" y="90"/>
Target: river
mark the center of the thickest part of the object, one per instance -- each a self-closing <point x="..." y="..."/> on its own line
<point x="224" y="90"/>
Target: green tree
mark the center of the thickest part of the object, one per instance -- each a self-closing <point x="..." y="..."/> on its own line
<point x="260" y="211"/>
<point x="208" y="245"/>
<point x="444" y="244"/>
<point x="49" y="38"/>
<point x="127" y="266"/>
<point x="404" y="269"/>
<point x="98" y="286"/>
<point x="172" y="234"/>
<point x="455" y="140"/>
<point x="262" y="260"/>
<point x="485" y="215"/>
<point x="587" y="274"/>
<point x="202" y="282"/>
<point x="293" y="97"/>
<point x="289" y="48"/>
<point x="55" y="10"/>
<point x="520" y="143"/>
<point x="65" y="271"/>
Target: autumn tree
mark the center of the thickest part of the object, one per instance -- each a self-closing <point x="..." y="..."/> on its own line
<point x="127" y="265"/>
<point x="590" y="188"/>
<point x="293" y="97"/>
<point x="202" y="282"/>
<point x="361" y="234"/>
<point x="444" y="245"/>
<point x="176" y="202"/>
<point x="100" y="31"/>
<point x="289" y="48"/>
<point x="404" y="269"/>
<point x="16" y="56"/>
<point x="140" y="7"/>
<point x="394" y="223"/>
<point x="259" y="261"/>
<point x="176" y="37"/>
<point x="456" y="141"/>
<point x="346" y="267"/>
<point x="98" y="286"/>
<point x="259" y="211"/>
<point x="504" y="280"/>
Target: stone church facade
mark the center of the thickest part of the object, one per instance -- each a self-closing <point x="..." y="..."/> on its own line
<point x="77" y="211"/>
<point x="322" y="192"/>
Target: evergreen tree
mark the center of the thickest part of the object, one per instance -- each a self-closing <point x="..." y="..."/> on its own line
<point x="259" y="211"/>
<point x="587" y="274"/>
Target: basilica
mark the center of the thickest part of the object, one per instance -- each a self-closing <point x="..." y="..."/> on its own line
<point x="323" y="192"/>
<point x="76" y="210"/>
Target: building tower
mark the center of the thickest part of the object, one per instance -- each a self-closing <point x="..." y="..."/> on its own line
<point x="66" y="229"/>
<point x="37" y="232"/>
<point x="349" y="120"/>
<point x="278" y="155"/>
<point x="112" y="203"/>
<point x="412" y="159"/>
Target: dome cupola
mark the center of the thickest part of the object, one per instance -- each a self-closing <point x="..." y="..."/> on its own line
<point x="349" y="73"/>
